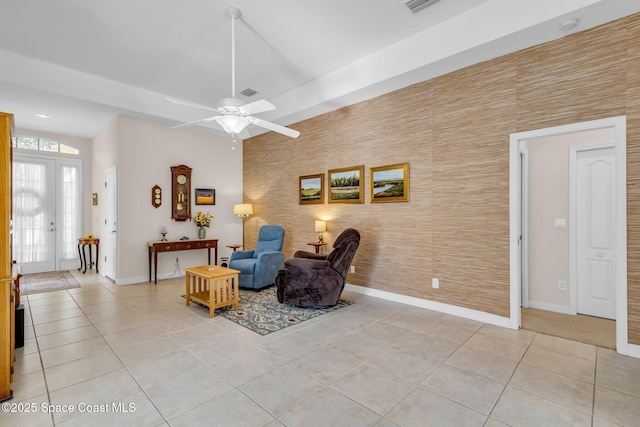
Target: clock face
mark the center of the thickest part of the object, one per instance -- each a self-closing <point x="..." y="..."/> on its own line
<point x="182" y="179"/>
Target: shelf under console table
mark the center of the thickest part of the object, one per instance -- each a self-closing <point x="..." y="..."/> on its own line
<point x="158" y="246"/>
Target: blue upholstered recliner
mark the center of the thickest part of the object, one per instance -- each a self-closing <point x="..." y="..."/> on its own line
<point x="258" y="268"/>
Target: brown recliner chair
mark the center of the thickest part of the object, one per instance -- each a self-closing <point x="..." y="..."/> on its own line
<point x="313" y="280"/>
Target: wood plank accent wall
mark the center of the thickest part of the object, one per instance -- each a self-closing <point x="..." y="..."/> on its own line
<point x="454" y="131"/>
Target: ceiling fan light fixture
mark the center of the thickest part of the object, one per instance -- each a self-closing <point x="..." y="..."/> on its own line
<point x="232" y="124"/>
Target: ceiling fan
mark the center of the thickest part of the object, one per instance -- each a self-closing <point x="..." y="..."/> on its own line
<point x="233" y="114"/>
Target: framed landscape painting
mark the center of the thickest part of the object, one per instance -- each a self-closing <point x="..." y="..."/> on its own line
<point x="312" y="189"/>
<point x="205" y="196"/>
<point x="390" y="183"/>
<point x="346" y="185"/>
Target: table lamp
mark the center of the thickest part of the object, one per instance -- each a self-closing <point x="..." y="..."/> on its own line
<point x="321" y="227"/>
<point x="243" y="210"/>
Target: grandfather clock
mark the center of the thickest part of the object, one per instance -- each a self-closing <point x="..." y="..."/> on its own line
<point x="181" y="193"/>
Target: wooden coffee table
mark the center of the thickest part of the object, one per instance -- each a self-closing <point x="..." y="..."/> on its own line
<point x="212" y="286"/>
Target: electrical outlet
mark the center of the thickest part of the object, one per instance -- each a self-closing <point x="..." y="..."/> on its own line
<point x="353" y="269"/>
<point x="562" y="285"/>
<point x="435" y="283"/>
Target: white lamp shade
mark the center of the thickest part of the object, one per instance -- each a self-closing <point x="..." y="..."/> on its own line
<point x="232" y="124"/>
<point x="243" y="209"/>
<point x="321" y="226"/>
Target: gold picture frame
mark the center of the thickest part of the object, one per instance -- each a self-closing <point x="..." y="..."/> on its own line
<point x="311" y="189"/>
<point x="390" y="183"/>
<point x="346" y="185"/>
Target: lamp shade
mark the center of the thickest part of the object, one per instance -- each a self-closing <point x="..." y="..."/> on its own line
<point x="232" y="124"/>
<point x="243" y="209"/>
<point x="321" y="226"/>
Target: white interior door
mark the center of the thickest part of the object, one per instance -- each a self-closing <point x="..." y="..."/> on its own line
<point x="110" y="244"/>
<point x="34" y="214"/>
<point x="595" y="227"/>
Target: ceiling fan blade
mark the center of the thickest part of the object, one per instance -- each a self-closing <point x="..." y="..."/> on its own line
<point x="274" y="127"/>
<point x="195" y="122"/>
<point x="191" y="104"/>
<point x="258" y="107"/>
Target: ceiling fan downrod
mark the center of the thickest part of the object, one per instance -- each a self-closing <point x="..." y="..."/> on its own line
<point x="233" y="13"/>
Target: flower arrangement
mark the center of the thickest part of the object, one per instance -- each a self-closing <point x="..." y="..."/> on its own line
<point x="202" y="219"/>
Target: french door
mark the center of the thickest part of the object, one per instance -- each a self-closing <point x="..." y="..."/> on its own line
<point x="47" y="212"/>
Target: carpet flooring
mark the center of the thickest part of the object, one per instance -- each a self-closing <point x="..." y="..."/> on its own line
<point x="47" y="282"/>
<point x="586" y="329"/>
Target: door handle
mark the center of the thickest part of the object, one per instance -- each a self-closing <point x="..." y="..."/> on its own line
<point x="600" y="254"/>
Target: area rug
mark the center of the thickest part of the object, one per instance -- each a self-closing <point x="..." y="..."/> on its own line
<point x="47" y="282"/>
<point x="260" y="311"/>
<point x="585" y="329"/>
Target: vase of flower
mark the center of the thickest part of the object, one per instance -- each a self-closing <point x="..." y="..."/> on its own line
<point x="202" y="220"/>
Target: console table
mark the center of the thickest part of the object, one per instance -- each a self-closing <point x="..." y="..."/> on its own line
<point x="179" y="245"/>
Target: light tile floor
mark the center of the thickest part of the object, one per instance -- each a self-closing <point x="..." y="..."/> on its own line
<point x="135" y="355"/>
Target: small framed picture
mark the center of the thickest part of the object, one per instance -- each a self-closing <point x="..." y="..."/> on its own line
<point x="346" y="185"/>
<point x="312" y="189"/>
<point x="205" y="196"/>
<point x="390" y="183"/>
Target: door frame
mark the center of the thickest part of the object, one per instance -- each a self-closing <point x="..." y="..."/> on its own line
<point x="523" y="203"/>
<point x="515" y="176"/>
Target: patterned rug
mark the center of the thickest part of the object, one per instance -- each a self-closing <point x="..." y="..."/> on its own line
<point x="261" y="312"/>
<point x="47" y="282"/>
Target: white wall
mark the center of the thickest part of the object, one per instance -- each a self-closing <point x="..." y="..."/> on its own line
<point x="549" y="199"/>
<point x="143" y="153"/>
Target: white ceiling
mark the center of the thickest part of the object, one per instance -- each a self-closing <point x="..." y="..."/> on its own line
<point x="83" y="62"/>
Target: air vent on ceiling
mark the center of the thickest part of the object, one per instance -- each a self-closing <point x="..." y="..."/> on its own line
<point x="249" y="92"/>
<point x="416" y="6"/>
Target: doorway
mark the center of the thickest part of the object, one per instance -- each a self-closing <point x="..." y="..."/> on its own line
<point x="47" y="212"/>
<point x="562" y="276"/>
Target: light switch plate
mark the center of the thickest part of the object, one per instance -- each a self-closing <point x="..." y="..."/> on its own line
<point x="559" y="223"/>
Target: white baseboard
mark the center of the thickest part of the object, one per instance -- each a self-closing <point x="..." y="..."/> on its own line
<point x="550" y="307"/>
<point x="143" y="279"/>
<point x="467" y="313"/>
